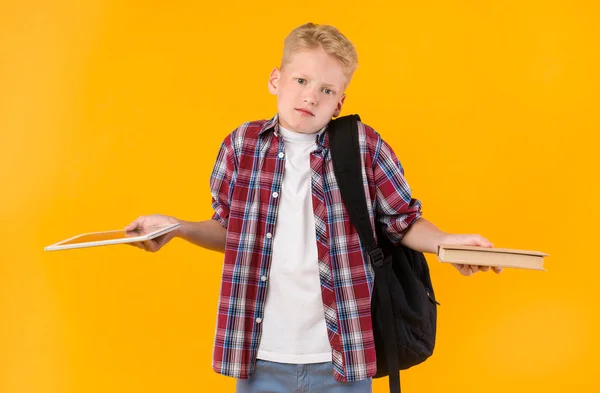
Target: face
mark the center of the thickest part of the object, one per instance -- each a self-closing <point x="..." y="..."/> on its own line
<point x="309" y="89"/>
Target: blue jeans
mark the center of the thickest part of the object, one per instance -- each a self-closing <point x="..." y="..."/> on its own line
<point x="271" y="377"/>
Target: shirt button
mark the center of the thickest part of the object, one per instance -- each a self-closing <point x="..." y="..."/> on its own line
<point x="258" y="320"/>
<point x="280" y="155"/>
<point x="269" y="235"/>
<point x="263" y="278"/>
<point x="275" y="194"/>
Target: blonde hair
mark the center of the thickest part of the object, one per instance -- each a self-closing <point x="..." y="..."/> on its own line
<point x="328" y="38"/>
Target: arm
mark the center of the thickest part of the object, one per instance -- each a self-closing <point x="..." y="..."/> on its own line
<point x="207" y="234"/>
<point x="423" y="236"/>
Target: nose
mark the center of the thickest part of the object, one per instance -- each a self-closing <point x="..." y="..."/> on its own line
<point x="310" y="97"/>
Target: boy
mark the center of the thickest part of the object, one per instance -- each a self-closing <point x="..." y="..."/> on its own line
<point x="280" y="220"/>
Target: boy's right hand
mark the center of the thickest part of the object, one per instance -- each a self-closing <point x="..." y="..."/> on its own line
<point x="145" y="222"/>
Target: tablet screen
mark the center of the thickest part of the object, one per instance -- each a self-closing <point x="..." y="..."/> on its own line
<point x="113" y="237"/>
<point x="102" y="236"/>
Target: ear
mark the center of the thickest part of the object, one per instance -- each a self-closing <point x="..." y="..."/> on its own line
<point x="274" y="80"/>
<point x="340" y="104"/>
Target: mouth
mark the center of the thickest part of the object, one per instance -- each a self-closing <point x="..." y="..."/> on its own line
<point x="305" y="112"/>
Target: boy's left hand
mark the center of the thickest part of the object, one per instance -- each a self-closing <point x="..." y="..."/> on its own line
<point x="470" y="240"/>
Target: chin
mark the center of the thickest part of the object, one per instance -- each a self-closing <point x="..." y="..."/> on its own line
<point x="302" y="125"/>
<point x="309" y="127"/>
<point x="306" y="130"/>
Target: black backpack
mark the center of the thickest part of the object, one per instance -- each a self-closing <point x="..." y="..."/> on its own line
<point x="403" y="305"/>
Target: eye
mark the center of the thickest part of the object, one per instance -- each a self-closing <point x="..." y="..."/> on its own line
<point x="301" y="81"/>
<point x="327" y="91"/>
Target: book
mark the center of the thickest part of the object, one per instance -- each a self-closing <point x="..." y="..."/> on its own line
<point x="491" y="256"/>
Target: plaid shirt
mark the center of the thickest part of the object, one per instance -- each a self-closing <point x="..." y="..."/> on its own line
<point x="245" y="183"/>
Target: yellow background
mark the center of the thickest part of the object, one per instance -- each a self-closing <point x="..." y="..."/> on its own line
<point x="112" y="109"/>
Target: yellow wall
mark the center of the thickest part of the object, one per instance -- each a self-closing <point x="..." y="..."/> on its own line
<point x="111" y="109"/>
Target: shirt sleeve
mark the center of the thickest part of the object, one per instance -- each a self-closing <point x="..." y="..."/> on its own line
<point x="396" y="209"/>
<point x="222" y="181"/>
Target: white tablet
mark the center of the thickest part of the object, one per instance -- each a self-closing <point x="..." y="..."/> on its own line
<point x="105" y="238"/>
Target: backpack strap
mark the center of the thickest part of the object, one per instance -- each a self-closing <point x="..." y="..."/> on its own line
<point x="347" y="166"/>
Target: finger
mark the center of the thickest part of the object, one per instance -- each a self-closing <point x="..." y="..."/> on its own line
<point x="484" y="268"/>
<point x="151" y="245"/>
<point x="466" y="270"/>
<point x="137" y="223"/>
<point x="497" y="269"/>
<point x="483" y="242"/>
<point x="160" y="241"/>
<point x="136" y="244"/>
<point x="462" y="269"/>
<point x="132" y="226"/>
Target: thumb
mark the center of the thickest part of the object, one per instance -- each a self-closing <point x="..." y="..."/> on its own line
<point x="481" y="241"/>
<point x="138" y="223"/>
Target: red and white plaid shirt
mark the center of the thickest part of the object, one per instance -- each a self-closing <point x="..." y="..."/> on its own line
<point x="245" y="183"/>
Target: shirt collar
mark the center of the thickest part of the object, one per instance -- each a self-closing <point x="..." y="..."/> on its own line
<point x="273" y="125"/>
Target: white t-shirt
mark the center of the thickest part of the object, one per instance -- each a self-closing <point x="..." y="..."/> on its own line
<point x="294" y="329"/>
